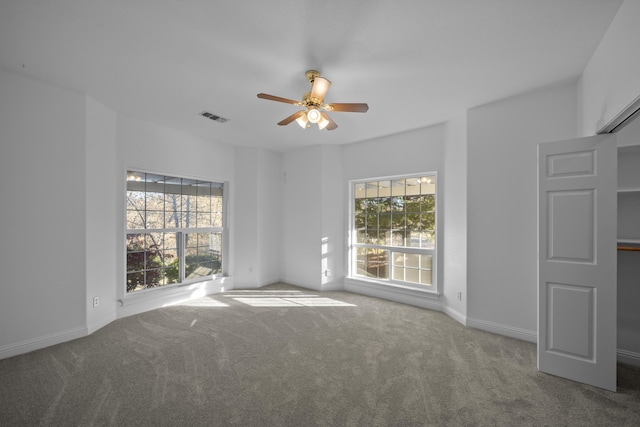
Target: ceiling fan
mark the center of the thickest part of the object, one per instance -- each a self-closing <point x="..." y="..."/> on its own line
<point x="313" y="102"/>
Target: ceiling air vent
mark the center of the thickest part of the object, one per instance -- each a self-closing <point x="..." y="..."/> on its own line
<point x="213" y="117"/>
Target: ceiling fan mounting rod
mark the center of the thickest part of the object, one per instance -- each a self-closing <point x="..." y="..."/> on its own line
<point x="311" y="75"/>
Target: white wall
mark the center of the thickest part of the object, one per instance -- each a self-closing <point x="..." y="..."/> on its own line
<point x="302" y="217"/>
<point x="245" y="206"/>
<point x="333" y="236"/>
<point x="416" y="151"/>
<point x="611" y="80"/>
<point x="502" y="205"/>
<point x="257" y="210"/>
<point x="269" y="213"/>
<point x="102" y="211"/>
<point x="455" y="219"/>
<point x="42" y="232"/>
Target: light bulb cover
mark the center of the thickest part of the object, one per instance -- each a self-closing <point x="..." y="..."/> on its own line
<point x="302" y="120"/>
<point x="323" y="123"/>
<point x="319" y="89"/>
<point x="314" y="115"/>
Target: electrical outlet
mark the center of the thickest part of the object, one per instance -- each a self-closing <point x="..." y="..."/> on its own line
<point x="459" y="295"/>
<point x="96" y="302"/>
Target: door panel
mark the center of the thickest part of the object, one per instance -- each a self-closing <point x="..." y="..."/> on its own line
<point x="577" y="211"/>
<point x="571" y="226"/>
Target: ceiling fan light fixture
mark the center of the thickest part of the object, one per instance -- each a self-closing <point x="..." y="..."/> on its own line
<point x="323" y="123"/>
<point x="302" y="120"/>
<point x="314" y="115"/>
<point x="313" y="102"/>
<point x="319" y="89"/>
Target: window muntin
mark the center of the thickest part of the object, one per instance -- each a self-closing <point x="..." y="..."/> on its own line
<point x="394" y="230"/>
<point x="175" y="230"/>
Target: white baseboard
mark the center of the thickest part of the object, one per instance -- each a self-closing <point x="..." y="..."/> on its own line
<point x="500" y="329"/>
<point x="454" y="314"/>
<point x="628" y="357"/>
<point x="42" y="342"/>
<point x="100" y="323"/>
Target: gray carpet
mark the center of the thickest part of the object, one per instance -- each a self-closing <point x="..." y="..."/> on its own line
<point x="238" y="359"/>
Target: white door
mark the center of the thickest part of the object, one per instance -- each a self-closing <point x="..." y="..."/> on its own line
<point x="577" y="220"/>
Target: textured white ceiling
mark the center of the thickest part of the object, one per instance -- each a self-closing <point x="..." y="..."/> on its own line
<point x="415" y="62"/>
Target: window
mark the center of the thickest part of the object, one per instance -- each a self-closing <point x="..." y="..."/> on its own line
<point x="175" y="230"/>
<point x="393" y="230"/>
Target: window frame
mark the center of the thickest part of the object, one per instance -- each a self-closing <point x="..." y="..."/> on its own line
<point x="353" y="245"/>
<point x="180" y="235"/>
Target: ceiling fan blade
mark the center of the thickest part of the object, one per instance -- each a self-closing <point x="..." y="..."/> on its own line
<point x="277" y="98"/>
<point x="348" y="107"/>
<point x="291" y="118"/>
<point x="319" y="89"/>
<point x="332" y="125"/>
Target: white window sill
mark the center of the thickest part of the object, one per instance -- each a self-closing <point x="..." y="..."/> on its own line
<point x="429" y="293"/>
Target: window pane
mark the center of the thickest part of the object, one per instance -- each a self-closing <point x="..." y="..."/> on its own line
<point x="154" y="278"/>
<point x="377" y="263"/>
<point x="412" y="260"/>
<point x="397" y="187"/>
<point x="384" y="204"/>
<point x="384" y="221"/>
<point x="397" y="204"/>
<point x="135" y="281"/>
<point x="428" y="184"/>
<point x="428" y="203"/>
<point x="372" y="189"/>
<point x="413" y="221"/>
<point x="135" y="200"/>
<point x="169" y="256"/>
<point x="203" y="219"/>
<point x="154" y="201"/>
<point x="359" y="190"/>
<point x="397" y="238"/>
<point x="426" y="277"/>
<point x="360" y="267"/>
<point x="173" y="202"/>
<point x="372" y="221"/>
<point x="412" y="275"/>
<point x="428" y="221"/>
<point x="216" y="204"/>
<point x="398" y="273"/>
<point x="203" y="204"/>
<point x="413" y="203"/>
<point x="189" y="219"/>
<point x="216" y="219"/>
<point x="383" y="264"/>
<point x="412" y="239"/>
<point x="154" y="219"/>
<point x="135" y="219"/>
<point x="427" y="240"/>
<point x="426" y="261"/>
<point x="412" y="186"/>
<point x="384" y="188"/>
<point x="384" y="238"/>
<point x="397" y="220"/>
